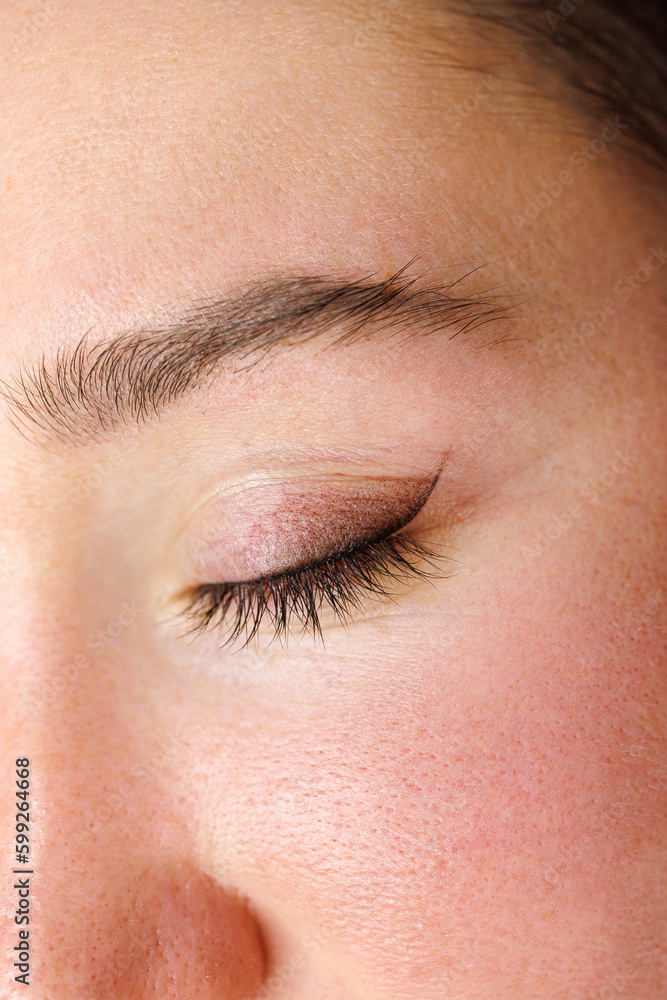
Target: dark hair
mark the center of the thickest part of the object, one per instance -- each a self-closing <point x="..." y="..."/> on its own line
<point x="610" y="53"/>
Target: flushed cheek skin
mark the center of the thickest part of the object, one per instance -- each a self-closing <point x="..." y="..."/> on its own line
<point x="471" y="806"/>
<point x="466" y="791"/>
<point x="470" y="790"/>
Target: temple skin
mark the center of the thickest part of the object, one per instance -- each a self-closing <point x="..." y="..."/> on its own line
<point x="462" y="793"/>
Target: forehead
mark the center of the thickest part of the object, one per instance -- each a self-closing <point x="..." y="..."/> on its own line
<point x="154" y="150"/>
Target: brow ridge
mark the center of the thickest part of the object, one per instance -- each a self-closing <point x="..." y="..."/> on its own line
<point x="90" y="391"/>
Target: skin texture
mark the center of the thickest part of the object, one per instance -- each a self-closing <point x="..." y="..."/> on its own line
<point x="462" y="794"/>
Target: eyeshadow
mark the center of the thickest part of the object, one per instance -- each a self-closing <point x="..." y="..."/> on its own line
<point x="265" y="529"/>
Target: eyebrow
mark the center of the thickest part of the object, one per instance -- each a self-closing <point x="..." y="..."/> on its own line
<point x="90" y="391"/>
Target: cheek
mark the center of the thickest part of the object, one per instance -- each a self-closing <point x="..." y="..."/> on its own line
<point x="501" y="793"/>
<point x="451" y="792"/>
<point x="552" y="774"/>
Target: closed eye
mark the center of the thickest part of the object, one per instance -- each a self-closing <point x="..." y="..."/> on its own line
<point x="341" y="583"/>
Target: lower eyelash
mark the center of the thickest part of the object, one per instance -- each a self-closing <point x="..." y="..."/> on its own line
<point x="341" y="583"/>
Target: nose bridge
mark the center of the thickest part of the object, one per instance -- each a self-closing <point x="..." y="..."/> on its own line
<point x="119" y="905"/>
<point x="66" y="624"/>
<point x="75" y="668"/>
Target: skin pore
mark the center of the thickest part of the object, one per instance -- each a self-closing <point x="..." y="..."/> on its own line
<point x="460" y="792"/>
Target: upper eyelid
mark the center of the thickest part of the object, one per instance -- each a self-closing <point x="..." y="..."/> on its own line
<point x="317" y="530"/>
<point x="333" y="557"/>
<point x="340" y="579"/>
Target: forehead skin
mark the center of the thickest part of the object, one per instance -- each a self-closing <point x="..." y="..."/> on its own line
<point x="466" y="792"/>
<point x="131" y="157"/>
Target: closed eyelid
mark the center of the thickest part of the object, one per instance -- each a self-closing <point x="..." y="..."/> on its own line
<point x="342" y="584"/>
<point x="267" y="530"/>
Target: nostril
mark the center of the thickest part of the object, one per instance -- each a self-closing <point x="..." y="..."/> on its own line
<point x="167" y="934"/>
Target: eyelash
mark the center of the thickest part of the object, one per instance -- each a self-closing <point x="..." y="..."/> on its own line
<point x="341" y="582"/>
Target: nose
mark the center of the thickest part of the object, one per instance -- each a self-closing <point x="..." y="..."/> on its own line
<point x="123" y="932"/>
<point x="121" y="905"/>
<point x="121" y="908"/>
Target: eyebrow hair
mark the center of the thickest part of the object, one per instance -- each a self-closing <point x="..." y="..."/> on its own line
<point x="90" y="391"/>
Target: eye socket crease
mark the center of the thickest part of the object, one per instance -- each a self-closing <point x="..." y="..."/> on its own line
<point x="94" y="390"/>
